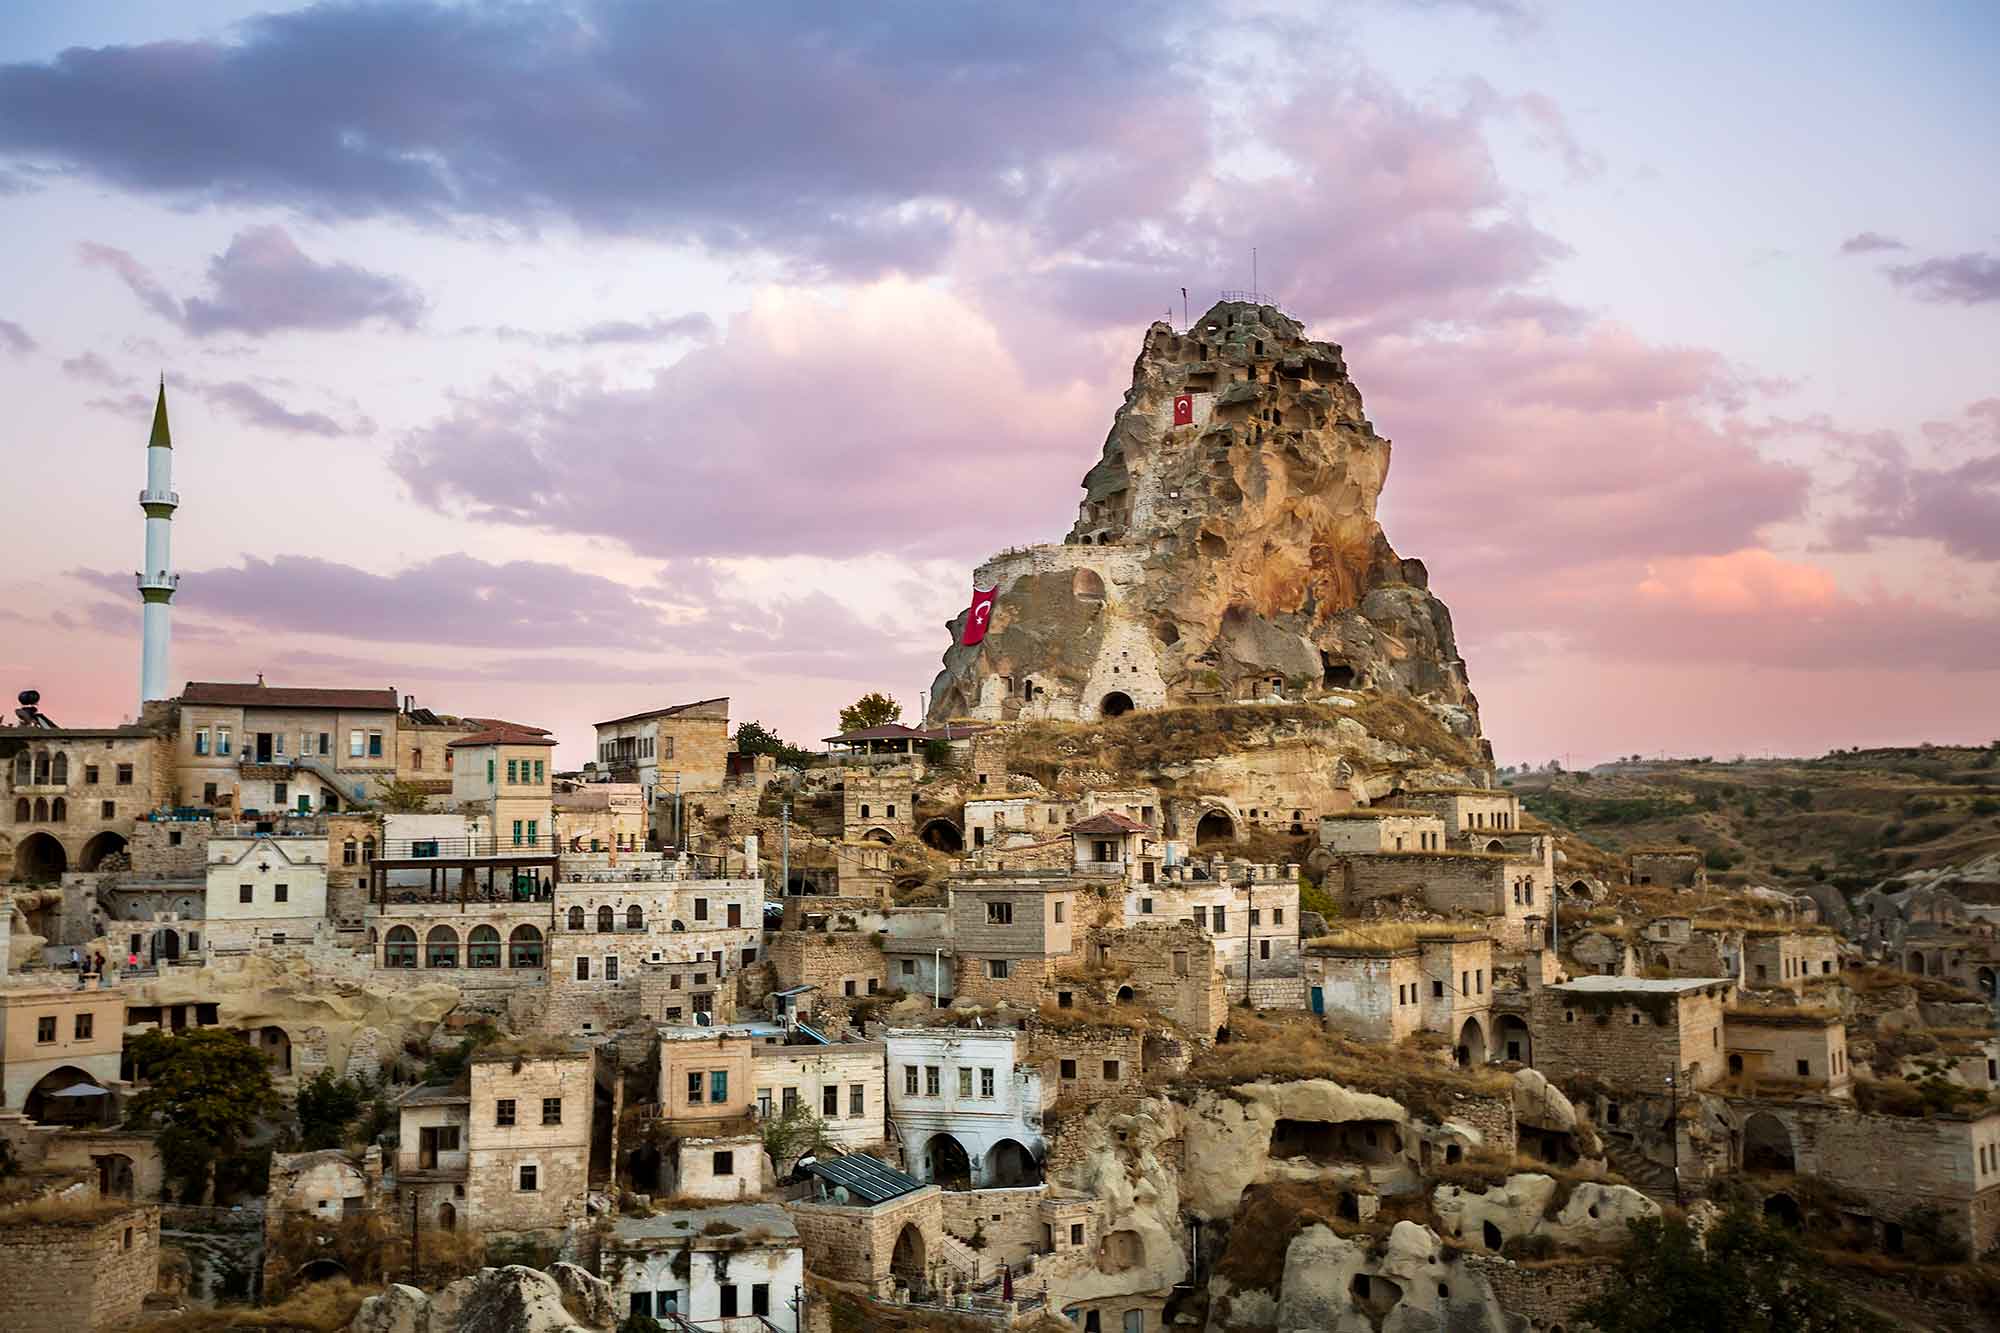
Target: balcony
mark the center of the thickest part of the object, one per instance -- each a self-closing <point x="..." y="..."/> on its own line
<point x="434" y="849"/>
<point x="160" y="498"/>
<point x="159" y="581"/>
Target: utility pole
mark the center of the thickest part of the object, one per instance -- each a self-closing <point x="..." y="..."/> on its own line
<point x="1674" y="1131"/>
<point x="785" y="850"/>
<point x="413" y="1241"/>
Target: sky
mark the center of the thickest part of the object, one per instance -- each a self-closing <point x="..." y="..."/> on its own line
<point x="561" y="360"/>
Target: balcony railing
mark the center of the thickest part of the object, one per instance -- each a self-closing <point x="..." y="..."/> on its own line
<point x="159" y="497"/>
<point x="503" y="844"/>
<point x="159" y="580"/>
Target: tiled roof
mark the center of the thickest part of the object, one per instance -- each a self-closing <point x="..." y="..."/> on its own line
<point x="1109" y="822"/>
<point x="662" y="712"/>
<point x="275" y="696"/>
<point x="504" y="736"/>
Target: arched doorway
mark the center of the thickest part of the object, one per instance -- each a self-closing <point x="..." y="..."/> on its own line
<point x="906" y="1260"/>
<point x="166" y="945"/>
<point x="447" y="1217"/>
<point x="1214" y="827"/>
<point x="104" y="844"/>
<point x="1126" y="995"/>
<point x="1116" y="704"/>
<point x="1471" y="1043"/>
<point x="942" y="835"/>
<point x="114" y="1175"/>
<point x="1784" y="1208"/>
<point x="880" y="835"/>
<point x="524" y="947"/>
<point x="1514" y="1040"/>
<point x="1010" y="1163"/>
<point x="947" y="1163"/>
<point x="1767" y="1144"/>
<point x="68" y="1096"/>
<point x="40" y="859"/>
<point x="322" y="1270"/>
<point x="276" y="1044"/>
<point x="1916" y="963"/>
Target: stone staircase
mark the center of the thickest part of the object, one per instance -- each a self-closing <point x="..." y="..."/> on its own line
<point x="968" y="1263"/>
<point x="1640" y="1171"/>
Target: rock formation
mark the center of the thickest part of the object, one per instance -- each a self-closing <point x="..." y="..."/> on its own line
<point x="565" y="1299"/>
<point x="1226" y="549"/>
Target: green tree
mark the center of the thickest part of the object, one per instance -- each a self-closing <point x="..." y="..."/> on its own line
<point x="327" y="1106"/>
<point x="870" y="710"/>
<point x="206" y="1091"/>
<point x="756" y="738"/>
<point x="401" y="797"/>
<point x="1750" y="1277"/>
<point x="795" y="1132"/>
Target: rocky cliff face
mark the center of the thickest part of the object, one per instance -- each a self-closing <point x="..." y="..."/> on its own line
<point x="1226" y="548"/>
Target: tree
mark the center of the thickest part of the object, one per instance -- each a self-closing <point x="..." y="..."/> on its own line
<point x="401" y="797"/>
<point x="206" y="1091"/>
<point x="756" y="738"/>
<point x="798" y="1130"/>
<point x="327" y="1105"/>
<point x="870" y="710"/>
<point x="1750" y="1277"/>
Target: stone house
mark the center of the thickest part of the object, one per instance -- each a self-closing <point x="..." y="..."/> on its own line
<point x="879" y="806"/>
<point x="504" y="773"/>
<point x="1116" y="845"/>
<point x="238" y="745"/>
<point x="1468" y="810"/>
<point x="508" y="1151"/>
<point x="1009" y="929"/>
<point x="725" y="1166"/>
<point x="705" y="1074"/>
<point x="1386" y="983"/>
<point x="1499" y="886"/>
<point x="264" y="889"/>
<point x="55" y="1040"/>
<point x="872" y="1225"/>
<point x="1788" y="959"/>
<point x="1632" y="1032"/>
<point x="312" y="1193"/>
<point x="601" y="816"/>
<point x="1796" y="1046"/>
<point x="1382" y="829"/>
<point x="733" y="1269"/>
<point x="69" y="797"/>
<point x="840" y="963"/>
<point x="840" y="1081"/>
<point x="1668" y="867"/>
<point x="77" y="1265"/>
<point x="966" y="1104"/>
<point x="1167" y="969"/>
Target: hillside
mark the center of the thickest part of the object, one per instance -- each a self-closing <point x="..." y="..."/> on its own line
<point x="1850" y="817"/>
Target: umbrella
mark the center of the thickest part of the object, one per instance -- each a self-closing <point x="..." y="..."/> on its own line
<point x="1006" y="1283"/>
<point x="81" y="1090"/>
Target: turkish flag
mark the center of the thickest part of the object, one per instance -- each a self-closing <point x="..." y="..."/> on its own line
<point x="980" y="616"/>
<point x="1184" y="409"/>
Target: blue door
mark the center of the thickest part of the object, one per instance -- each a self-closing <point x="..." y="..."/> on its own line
<point x="1319" y="1000"/>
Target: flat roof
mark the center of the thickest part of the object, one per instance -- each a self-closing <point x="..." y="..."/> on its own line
<point x="746" y="1221"/>
<point x="696" y="1032"/>
<point x="1601" y="985"/>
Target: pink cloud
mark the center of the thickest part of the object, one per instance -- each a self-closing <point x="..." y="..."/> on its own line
<point x="1746" y="581"/>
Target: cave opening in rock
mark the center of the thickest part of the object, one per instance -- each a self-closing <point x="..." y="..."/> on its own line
<point x="1336" y="674"/>
<point x="1215" y="826"/>
<point x="1116" y="704"/>
<point x="1328" y="1142"/>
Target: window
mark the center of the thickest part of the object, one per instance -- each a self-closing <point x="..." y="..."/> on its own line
<point x="829" y="1101"/>
<point x="208" y="793"/>
<point x="857" y="1099"/>
<point x="1805" y="1068"/>
<point x="909" y="1080"/>
<point x="847" y="987"/>
<point x="534" y="833"/>
<point x="701" y="909"/>
<point x="201" y="741"/>
<point x="124" y="775"/>
<point x="965" y="1081"/>
<point x="245" y="893"/>
<point x="932" y="1082"/>
<point x="1201" y="917"/>
<point x="326" y="742"/>
<point x="999" y="914"/>
<point x="996" y="969"/>
<point x="374" y="745"/>
<point x="45" y="1028"/>
<point x="1180" y="962"/>
<point x="1145" y="907"/>
<point x="724" y="1164"/>
<point x="528" y="1179"/>
<point x="1437" y="990"/>
<point x="728" y="1290"/>
<point x="283" y="892"/>
<point x="1076" y="1233"/>
<point x="1479" y="980"/>
<point x="611" y="967"/>
<point x="1256" y="916"/>
<point x="503" y="1112"/>
<point x="107" y="809"/>
<point x="718" y="1085"/>
<point x="490" y="765"/>
<point x="642" y="1304"/>
<point x="760" y="1298"/>
<point x="349" y="852"/>
<point x="222" y="740"/>
<point x="356" y="744"/>
<point x="1221" y="919"/>
<point x="909" y="967"/>
<point x="1111" y="1071"/>
<point x="510" y="772"/>
<point x="790" y="1100"/>
<point x="695" y="1085"/>
<point x="1067" y="1069"/>
<point x="1065" y="999"/>
<point x="583" y="967"/>
<point x="90" y="775"/>
<point x="1263" y="948"/>
<point x="1277" y="916"/>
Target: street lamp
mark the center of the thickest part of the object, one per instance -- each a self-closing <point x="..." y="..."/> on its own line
<point x="1674" y="1132"/>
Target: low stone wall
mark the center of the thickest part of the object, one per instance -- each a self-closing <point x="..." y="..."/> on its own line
<point x="1546" y="1294"/>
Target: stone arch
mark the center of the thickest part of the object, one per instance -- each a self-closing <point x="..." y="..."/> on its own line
<point x="524" y="947"/>
<point x="1495" y="846"/>
<point x="576" y="918"/>
<point x="1472" y="1042"/>
<point x="1087" y="585"/>
<point x="607" y="920"/>
<point x="441" y="947"/>
<point x="447" y="1216"/>
<point x="946" y="1160"/>
<point x="1009" y="1163"/>
<point x="906" y="1259"/>
<point x="323" y="1269"/>
<point x="276" y="1044"/>
<point x="399" y="947"/>
<point x="1767" y="1144"/>
<point x="100" y="846"/>
<point x="1915" y="963"/>
<point x="45" y="1106"/>
<point x="1513" y="1040"/>
<point x="942" y="835"/>
<point x="40" y="859"/>
<point x="635" y="917"/>
<point x="1126" y="995"/>
<point x="1115" y="704"/>
<point x="59" y="810"/>
<point x="482" y="949"/>
<point x="1215" y="825"/>
<point x="878" y="834"/>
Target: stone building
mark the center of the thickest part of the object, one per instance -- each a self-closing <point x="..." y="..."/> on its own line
<point x="967" y="1104"/>
<point x="1163" y="968"/>
<point x="601" y="817"/>
<point x="1117" y="846"/>
<point x="714" y="1075"/>
<point x="671" y="753"/>
<point x="1382" y="829"/>
<point x="1791" y="1046"/>
<point x="503" y="772"/>
<point x="60" y="1052"/>
<point x="265" y="889"/>
<point x="508" y="1151"/>
<point x="1632" y="1032"/>
<point x="872" y="1225"/>
<point x="260" y="747"/>
<point x="1468" y="812"/>
<point x="82" y="1266"/>
<point x="69" y="797"/>
<point x="1667" y="867"/>
<point x="1010" y="929"/>
<point x="840" y="963"/>
<point x="1503" y="888"/>
<point x="1788" y="959"/>
<point x="1387" y="982"/>
<point x="879" y="806"/>
<point x="733" y="1269"/>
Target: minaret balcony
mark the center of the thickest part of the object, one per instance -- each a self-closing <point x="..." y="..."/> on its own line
<point x="160" y="498"/>
<point x="160" y="582"/>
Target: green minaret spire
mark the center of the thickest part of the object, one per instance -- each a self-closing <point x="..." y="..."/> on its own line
<point x="161" y="439"/>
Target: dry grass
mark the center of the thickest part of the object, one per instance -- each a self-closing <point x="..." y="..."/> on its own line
<point x="1775" y="1016"/>
<point x="1386" y="936"/>
<point x="1279" y="1047"/>
<point x="1087" y="1013"/>
<point x="1874" y="980"/>
<point x="527" y="1046"/>
<point x="78" y="1210"/>
<point x="324" y="1307"/>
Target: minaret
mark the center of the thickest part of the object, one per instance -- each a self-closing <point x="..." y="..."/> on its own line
<point x="157" y="580"/>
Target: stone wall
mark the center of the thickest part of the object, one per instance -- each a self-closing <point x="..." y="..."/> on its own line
<point x="1631" y="1040"/>
<point x="1171" y="970"/>
<point x="1546" y="1293"/>
<point x="560" y="1153"/>
<point x="169" y="849"/>
<point x="1007" y="1222"/>
<point x="839" y="962"/>
<point x="1027" y="983"/>
<point x="856" y="1244"/>
<point x="1088" y="1063"/>
<point x="79" y="1276"/>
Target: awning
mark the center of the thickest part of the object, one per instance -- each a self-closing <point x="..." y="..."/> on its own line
<point x="82" y="1090"/>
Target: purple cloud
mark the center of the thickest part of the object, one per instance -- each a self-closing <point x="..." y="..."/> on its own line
<point x="1869" y="242"/>
<point x="263" y="284"/>
<point x="694" y="326"/>
<point x="1956" y="504"/>
<point x="15" y="339"/>
<point x="258" y="408"/>
<point x="91" y="369"/>
<point x="1971" y="279"/>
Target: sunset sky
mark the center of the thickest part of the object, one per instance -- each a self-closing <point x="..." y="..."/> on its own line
<point x="562" y="360"/>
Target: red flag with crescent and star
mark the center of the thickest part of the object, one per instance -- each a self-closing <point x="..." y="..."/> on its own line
<point x="1183" y="409"/>
<point x="980" y="616"/>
